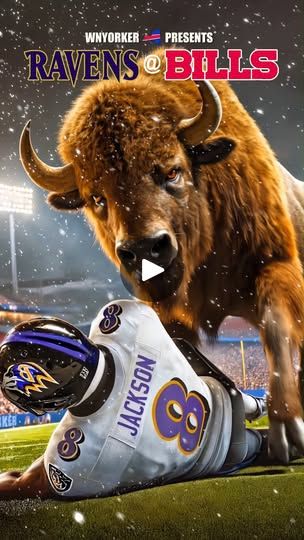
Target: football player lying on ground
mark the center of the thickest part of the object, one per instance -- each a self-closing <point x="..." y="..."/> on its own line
<point x="142" y="409"/>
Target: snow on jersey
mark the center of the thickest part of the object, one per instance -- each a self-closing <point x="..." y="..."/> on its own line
<point x="157" y="424"/>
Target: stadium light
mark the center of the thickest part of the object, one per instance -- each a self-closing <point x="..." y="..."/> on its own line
<point x="15" y="200"/>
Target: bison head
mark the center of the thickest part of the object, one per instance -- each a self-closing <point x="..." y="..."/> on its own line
<point x="135" y="165"/>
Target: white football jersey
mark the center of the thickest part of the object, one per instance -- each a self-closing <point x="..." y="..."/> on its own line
<point x="160" y="423"/>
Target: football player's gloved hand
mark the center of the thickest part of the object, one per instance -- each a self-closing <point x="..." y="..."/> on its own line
<point x="46" y="364"/>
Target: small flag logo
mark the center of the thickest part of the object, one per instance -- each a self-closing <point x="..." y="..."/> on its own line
<point x="154" y="36"/>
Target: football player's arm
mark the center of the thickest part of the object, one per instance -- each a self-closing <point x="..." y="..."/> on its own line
<point x="31" y="483"/>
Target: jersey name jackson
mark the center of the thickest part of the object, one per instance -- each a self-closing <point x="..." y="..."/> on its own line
<point x="132" y="411"/>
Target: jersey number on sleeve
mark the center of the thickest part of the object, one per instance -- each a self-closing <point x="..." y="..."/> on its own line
<point x="68" y="448"/>
<point x="180" y="415"/>
<point x="111" y="320"/>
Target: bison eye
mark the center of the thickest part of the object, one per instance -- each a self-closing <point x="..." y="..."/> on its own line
<point x="100" y="201"/>
<point x="174" y="176"/>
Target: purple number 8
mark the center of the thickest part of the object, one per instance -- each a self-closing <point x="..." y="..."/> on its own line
<point x="180" y="415"/>
<point x="111" y="320"/>
<point x="68" y="448"/>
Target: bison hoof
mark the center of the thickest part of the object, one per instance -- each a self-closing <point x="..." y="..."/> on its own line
<point x="286" y="440"/>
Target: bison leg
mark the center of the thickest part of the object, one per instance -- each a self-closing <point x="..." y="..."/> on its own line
<point x="285" y="411"/>
<point x="301" y="374"/>
<point x="281" y="297"/>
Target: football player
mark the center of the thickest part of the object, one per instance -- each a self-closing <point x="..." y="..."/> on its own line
<point x="142" y="409"/>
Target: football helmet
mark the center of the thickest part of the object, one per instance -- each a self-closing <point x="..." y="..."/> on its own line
<point x="46" y="364"/>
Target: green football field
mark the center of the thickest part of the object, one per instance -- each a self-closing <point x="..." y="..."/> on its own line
<point x="257" y="503"/>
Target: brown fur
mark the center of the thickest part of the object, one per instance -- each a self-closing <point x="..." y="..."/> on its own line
<point x="231" y="221"/>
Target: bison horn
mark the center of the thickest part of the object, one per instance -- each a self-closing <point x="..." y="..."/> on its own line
<point x="59" y="179"/>
<point x="194" y="131"/>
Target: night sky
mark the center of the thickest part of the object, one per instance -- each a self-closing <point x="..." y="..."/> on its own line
<point x="51" y="244"/>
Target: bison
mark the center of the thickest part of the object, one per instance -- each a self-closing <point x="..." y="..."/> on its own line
<point x="179" y="173"/>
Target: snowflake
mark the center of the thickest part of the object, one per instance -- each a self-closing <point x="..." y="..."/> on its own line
<point x="79" y="517"/>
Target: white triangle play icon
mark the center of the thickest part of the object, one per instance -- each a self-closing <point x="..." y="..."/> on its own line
<point x="149" y="270"/>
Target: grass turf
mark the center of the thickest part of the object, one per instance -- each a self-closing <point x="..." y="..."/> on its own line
<point x="258" y="502"/>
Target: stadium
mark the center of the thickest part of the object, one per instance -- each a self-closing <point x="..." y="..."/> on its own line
<point x="51" y="264"/>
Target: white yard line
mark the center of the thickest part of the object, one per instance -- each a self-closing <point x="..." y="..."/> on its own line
<point x="12" y="441"/>
<point x="9" y="458"/>
<point x="13" y="429"/>
<point x="23" y="445"/>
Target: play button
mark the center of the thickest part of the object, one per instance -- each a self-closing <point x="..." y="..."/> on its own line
<point x="150" y="270"/>
<point x="151" y="282"/>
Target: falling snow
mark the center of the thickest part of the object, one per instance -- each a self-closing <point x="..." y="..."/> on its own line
<point x="55" y="249"/>
<point x="79" y="517"/>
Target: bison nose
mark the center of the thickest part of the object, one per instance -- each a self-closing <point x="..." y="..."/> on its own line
<point x="158" y="249"/>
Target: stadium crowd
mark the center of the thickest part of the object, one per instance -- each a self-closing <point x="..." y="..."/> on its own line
<point x="228" y="358"/>
<point x="6" y="407"/>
